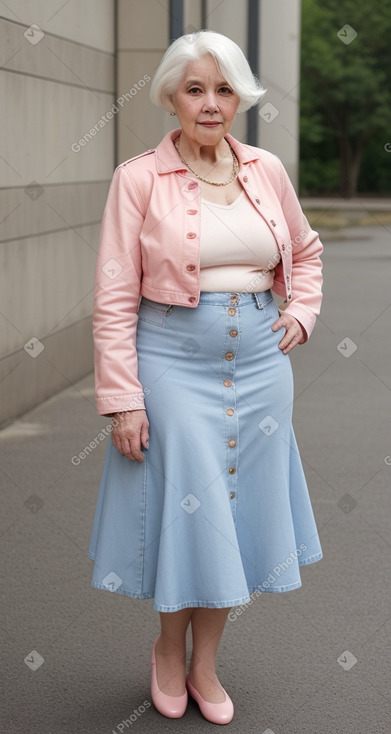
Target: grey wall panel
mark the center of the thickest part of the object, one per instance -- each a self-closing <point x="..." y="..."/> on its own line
<point x="89" y="22"/>
<point x="46" y="132"/>
<point x="280" y="74"/>
<point x="57" y="94"/>
<point x="55" y="58"/>
<point x="143" y="36"/>
<point x="141" y="125"/>
<point x="36" y="210"/>
<point x="143" y="25"/>
<point x="27" y="380"/>
<point x="47" y="284"/>
<point x="193" y="16"/>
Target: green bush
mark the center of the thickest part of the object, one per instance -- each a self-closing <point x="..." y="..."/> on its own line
<point x="345" y="97"/>
<point x="318" y="177"/>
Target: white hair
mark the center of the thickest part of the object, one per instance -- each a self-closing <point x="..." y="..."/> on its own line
<point x="230" y="60"/>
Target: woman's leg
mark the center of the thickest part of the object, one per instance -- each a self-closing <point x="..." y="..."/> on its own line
<point x="207" y="628"/>
<point x="171" y="651"/>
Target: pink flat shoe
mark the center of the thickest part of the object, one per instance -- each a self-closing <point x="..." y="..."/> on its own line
<point x="217" y="713"/>
<point x="172" y="706"/>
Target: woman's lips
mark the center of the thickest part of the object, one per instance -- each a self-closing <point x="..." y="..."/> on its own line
<point x="210" y="124"/>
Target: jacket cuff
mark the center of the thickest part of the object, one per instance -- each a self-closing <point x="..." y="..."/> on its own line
<point x="120" y="403"/>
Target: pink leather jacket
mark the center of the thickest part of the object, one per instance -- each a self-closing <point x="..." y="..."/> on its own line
<point x="150" y="246"/>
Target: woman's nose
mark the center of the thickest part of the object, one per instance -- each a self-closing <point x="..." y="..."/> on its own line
<point x="210" y="104"/>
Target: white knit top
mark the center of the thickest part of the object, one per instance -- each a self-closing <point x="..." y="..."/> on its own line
<point x="238" y="250"/>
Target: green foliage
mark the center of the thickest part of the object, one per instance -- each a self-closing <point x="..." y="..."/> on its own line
<point x="318" y="177"/>
<point x="345" y="92"/>
<point x="376" y="169"/>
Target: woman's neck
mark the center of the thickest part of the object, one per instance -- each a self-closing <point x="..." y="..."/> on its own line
<point x="213" y="154"/>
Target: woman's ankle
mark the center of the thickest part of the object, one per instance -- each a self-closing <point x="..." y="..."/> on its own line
<point x="205" y="668"/>
<point x="168" y="646"/>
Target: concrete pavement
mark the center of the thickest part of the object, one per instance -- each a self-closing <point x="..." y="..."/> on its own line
<point x="314" y="660"/>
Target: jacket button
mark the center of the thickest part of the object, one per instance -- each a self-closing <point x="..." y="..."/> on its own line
<point x="233" y="332"/>
<point x="232" y="444"/>
<point x="258" y="201"/>
<point x="229" y="356"/>
<point x="282" y="247"/>
<point x="245" y="179"/>
<point x="192" y="185"/>
<point x="190" y="267"/>
<point x="191" y="211"/>
<point x="230" y="411"/>
<point x="192" y="299"/>
<point x="191" y="235"/>
<point x="273" y="223"/>
<point x="227" y="383"/>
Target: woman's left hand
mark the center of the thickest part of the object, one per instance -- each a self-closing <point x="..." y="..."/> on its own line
<point x="294" y="332"/>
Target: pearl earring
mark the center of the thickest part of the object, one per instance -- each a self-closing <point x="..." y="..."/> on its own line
<point x="172" y="114"/>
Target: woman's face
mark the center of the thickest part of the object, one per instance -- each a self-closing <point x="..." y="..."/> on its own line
<point x="204" y="102"/>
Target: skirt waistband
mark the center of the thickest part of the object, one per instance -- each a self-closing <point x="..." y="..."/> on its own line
<point x="236" y="299"/>
<point x="221" y="299"/>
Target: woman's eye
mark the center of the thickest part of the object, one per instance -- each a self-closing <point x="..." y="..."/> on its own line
<point x="197" y="90"/>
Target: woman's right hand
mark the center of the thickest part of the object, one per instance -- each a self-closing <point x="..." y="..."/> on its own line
<point x="130" y="433"/>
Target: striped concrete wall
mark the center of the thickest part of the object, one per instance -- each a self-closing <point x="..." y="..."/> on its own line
<point x="57" y="86"/>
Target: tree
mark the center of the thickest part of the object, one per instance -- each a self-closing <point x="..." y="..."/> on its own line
<point x="345" y="89"/>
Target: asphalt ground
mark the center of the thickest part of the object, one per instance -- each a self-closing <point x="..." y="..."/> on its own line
<point x="316" y="659"/>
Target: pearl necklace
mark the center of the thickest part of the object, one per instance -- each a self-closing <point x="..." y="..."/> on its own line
<point x="235" y="167"/>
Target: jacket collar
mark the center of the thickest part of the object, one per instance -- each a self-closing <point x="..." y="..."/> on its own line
<point x="168" y="160"/>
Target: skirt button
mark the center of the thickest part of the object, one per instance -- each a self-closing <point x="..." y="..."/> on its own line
<point x="229" y="356"/>
<point x="232" y="311"/>
<point x="232" y="470"/>
<point x="230" y="411"/>
<point x="232" y="444"/>
<point x="227" y="383"/>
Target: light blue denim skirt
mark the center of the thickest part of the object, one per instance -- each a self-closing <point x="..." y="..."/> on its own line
<point x="220" y="507"/>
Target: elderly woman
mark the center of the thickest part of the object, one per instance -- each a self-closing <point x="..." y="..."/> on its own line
<point x="203" y="502"/>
